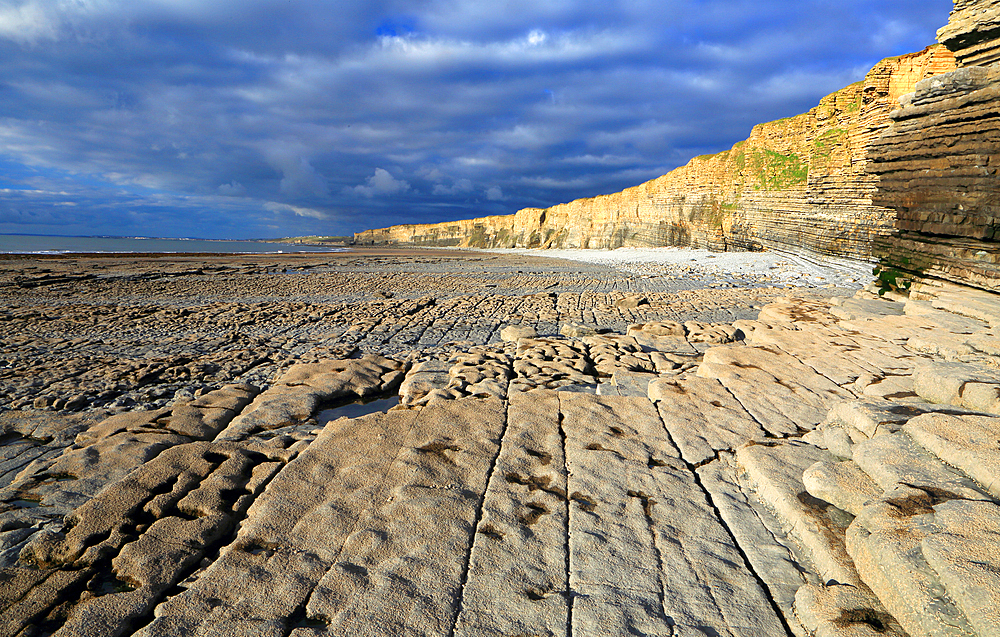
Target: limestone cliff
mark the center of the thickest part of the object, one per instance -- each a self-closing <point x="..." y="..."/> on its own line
<point x="798" y="183"/>
<point x="937" y="164"/>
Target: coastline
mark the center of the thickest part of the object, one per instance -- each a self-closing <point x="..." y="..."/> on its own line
<point x="54" y="245"/>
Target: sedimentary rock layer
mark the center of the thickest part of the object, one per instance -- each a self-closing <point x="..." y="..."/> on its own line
<point x="973" y="32"/>
<point x="797" y="183"/>
<point x="937" y="163"/>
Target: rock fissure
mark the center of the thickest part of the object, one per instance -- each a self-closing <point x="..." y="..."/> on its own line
<point x="570" y="593"/>
<point x="474" y="536"/>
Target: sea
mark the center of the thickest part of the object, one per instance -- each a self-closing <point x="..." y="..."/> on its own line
<point x="39" y="244"/>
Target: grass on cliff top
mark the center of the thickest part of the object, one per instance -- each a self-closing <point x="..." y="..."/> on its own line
<point x="722" y="154"/>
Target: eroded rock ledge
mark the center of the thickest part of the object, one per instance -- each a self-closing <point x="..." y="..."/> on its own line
<point x="937" y="164"/>
<point x="830" y="468"/>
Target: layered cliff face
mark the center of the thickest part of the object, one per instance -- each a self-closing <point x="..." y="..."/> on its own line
<point x="798" y="184"/>
<point x="937" y="164"/>
<point x="973" y="32"/>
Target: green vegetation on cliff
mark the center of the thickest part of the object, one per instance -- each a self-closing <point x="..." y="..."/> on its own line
<point x="770" y="170"/>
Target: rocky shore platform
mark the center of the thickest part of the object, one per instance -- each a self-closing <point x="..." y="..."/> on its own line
<point x="551" y="448"/>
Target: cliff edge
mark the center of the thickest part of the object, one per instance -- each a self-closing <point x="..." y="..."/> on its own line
<point x="937" y="164"/>
<point x="799" y="183"/>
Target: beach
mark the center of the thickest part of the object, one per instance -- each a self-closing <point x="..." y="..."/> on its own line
<point x="452" y="442"/>
<point x="74" y="320"/>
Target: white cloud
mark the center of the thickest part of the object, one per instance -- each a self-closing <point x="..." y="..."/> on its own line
<point x="31" y="21"/>
<point x="28" y="22"/>
<point x="459" y="187"/>
<point x="381" y="183"/>
<point x="273" y="206"/>
<point x="523" y="136"/>
<point x="601" y="160"/>
<point x="537" y="37"/>
<point x="398" y="52"/>
<point x="298" y="175"/>
<point x="552" y="182"/>
<point x="431" y="174"/>
<point x="233" y="189"/>
<point x="494" y="193"/>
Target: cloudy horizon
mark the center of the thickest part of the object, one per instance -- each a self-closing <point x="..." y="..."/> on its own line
<point x="260" y="119"/>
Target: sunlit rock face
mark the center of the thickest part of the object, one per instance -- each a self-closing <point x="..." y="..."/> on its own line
<point x="973" y="32"/>
<point x="937" y="163"/>
<point x="797" y="184"/>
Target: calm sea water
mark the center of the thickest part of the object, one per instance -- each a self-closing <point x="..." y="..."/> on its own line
<point x="34" y="244"/>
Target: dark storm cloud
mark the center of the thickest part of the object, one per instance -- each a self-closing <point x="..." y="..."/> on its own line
<point x="266" y="118"/>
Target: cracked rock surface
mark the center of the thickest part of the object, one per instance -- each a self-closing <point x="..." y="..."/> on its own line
<point x="543" y="456"/>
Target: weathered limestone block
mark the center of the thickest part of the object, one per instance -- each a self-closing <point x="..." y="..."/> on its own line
<point x="627" y="383"/>
<point x="550" y="363"/>
<point x="952" y="312"/>
<point x="646" y="550"/>
<point x="517" y="569"/>
<point x="575" y="330"/>
<point x="32" y="597"/>
<point x="251" y="590"/>
<point x="632" y="301"/>
<point x="617" y="353"/>
<point x="100" y="463"/>
<point x="891" y="387"/>
<point x="871" y="417"/>
<point x="480" y="373"/>
<point x="513" y="333"/>
<point x="775" y="472"/>
<point x="789" y="312"/>
<point x="279" y="406"/>
<point x="298" y="392"/>
<point x="369" y="529"/>
<point x="979" y="307"/>
<point x="969" y="443"/>
<point x="861" y="308"/>
<point x="721" y="333"/>
<point x="759" y="534"/>
<point x="406" y="556"/>
<point x="360" y="377"/>
<point x="702" y="417"/>
<point x="149" y="529"/>
<point x="657" y="328"/>
<point x="783" y="395"/>
<point x="964" y="554"/>
<point x="838" y="356"/>
<point x="966" y="385"/>
<point x="842" y="484"/>
<point x="895" y="459"/>
<point x="677" y="345"/>
<point x="841" y="610"/>
<point x="885" y="543"/>
<point x="423" y="378"/>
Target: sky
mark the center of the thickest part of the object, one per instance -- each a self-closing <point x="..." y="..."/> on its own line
<point x="276" y="118"/>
